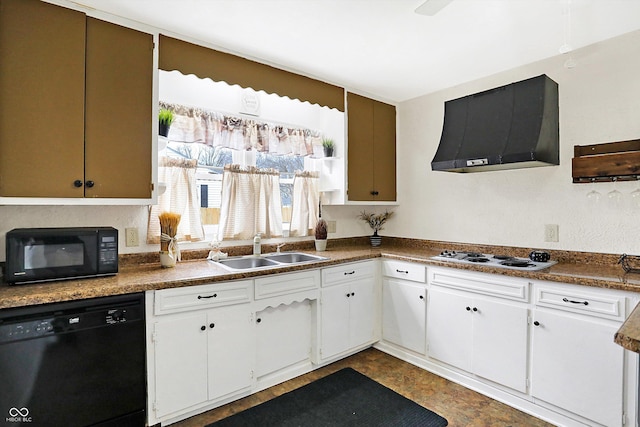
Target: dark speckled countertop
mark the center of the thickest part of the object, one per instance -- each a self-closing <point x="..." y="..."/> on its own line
<point x="142" y="272"/>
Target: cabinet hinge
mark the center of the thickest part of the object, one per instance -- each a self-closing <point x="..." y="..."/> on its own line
<point x="528" y="383"/>
<point x="152" y="186"/>
<point x="624" y="419"/>
<point x="528" y="320"/>
<point x="154" y="337"/>
<point x="155" y="406"/>
<point x="251" y="374"/>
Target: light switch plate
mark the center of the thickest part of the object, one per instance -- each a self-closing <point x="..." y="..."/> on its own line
<point x="551" y="233"/>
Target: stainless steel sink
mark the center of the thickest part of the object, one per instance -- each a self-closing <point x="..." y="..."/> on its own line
<point x="252" y="262"/>
<point x="244" y="263"/>
<point x="293" y="257"/>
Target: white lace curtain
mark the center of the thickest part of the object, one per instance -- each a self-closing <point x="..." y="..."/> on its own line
<point x="305" y="204"/>
<point x="180" y="196"/>
<point x="251" y="203"/>
<point x="216" y="129"/>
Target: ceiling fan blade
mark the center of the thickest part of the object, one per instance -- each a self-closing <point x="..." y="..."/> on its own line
<point x="431" y="7"/>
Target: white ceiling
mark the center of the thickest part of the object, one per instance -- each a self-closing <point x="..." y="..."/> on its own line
<point x="381" y="48"/>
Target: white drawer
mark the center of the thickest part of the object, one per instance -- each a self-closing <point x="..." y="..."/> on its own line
<point x="202" y="296"/>
<point x="283" y="284"/>
<point x="404" y="270"/>
<point x="579" y="301"/>
<point x="347" y="273"/>
<point x="481" y="283"/>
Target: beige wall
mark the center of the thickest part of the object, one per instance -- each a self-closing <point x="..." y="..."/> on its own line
<point x="599" y="102"/>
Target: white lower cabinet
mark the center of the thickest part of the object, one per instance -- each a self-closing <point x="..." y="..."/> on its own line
<point x="283" y="337"/>
<point x="543" y="347"/>
<point x="404" y="305"/>
<point x="202" y="356"/>
<point x="480" y="335"/>
<point x="575" y="365"/>
<point x="201" y="346"/>
<point x="348" y="308"/>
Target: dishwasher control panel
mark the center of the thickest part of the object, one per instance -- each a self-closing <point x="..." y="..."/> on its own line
<point x="25" y="330"/>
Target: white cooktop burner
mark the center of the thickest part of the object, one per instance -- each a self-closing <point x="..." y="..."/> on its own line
<point x="499" y="261"/>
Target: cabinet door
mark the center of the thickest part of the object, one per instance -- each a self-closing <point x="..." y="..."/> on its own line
<point x="119" y="85"/>
<point x="500" y="343"/>
<point x="42" y="48"/>
<point x="449" y="328"/>
<point x="362" y="312"/>
<point x="384" y="146"/>
<point x="283" y="336"/>
<point x="230" y="350"/>
<point x="404" y="314"/>
<point x="577" y="366"/>
<point x="360" y="156"/>
<point x="334" y="311"/>
<point x="371" y="157"/>
<point x="181" y="362"/>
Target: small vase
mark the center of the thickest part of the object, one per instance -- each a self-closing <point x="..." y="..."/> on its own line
<point x="163" y="129"/>
<point x="321" y="245"/>
<point x="375" y="239"/>
<point x="167" y="260"/>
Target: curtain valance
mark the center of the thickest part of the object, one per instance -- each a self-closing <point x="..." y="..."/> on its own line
<point x="192" y="124"/>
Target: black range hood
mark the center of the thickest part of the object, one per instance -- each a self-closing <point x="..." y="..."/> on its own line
<point x="509" y="127"/>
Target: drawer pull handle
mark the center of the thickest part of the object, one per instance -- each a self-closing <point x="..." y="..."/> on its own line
<point x="207" y="297"/>
<point x="575" y="302"/>
<point x="346" y="273"/>
<point x="402" y="271"/>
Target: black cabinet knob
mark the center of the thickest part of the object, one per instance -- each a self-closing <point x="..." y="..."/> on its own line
<point x="374" y="193"/>
<point x="475" y="309"/>
<point x="536" y="323"/>
<point x="77" y="183"/>
<point x="468" y="308"/>
<point x="212" y="325"/>
<point x="421" y="297"/>
<point x="89" y="183"/>
<point x="202" y="328"/>
<point x="348" y="295"/>
<point x="258" y="320"/>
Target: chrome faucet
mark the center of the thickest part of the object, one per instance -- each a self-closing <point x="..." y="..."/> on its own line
<point x="279" y="246"/>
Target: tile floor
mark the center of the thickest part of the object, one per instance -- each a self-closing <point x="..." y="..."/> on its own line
<point x="460" y="406"/>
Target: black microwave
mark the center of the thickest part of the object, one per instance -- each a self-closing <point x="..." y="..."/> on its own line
<point x="45" y="254"/>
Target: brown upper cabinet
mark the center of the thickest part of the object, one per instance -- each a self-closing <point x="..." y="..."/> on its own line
<point x="75" y="105"/>
<point x="371" y="158"/>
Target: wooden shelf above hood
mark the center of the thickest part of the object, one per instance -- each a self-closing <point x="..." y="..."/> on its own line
<point x="612" y="161"/>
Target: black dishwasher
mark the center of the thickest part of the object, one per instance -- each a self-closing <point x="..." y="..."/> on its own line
<point x="78" y="363"/>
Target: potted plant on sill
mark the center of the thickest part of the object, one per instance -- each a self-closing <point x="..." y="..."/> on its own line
<point x="375" y="221"/>
<point x="165" y="118"/>
<point x="328" y="146"/>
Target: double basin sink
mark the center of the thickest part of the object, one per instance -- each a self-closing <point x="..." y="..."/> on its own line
<point x="255" y="262"/>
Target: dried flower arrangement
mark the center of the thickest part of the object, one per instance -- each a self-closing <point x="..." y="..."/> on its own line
<point x="169" y="250"/>
<point x="375" y="221"/>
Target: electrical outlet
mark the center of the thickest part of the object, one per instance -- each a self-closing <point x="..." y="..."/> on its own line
<point x="131" y="236"/>
<point x="331" y="226"/>
<point x="551" y="233"/>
